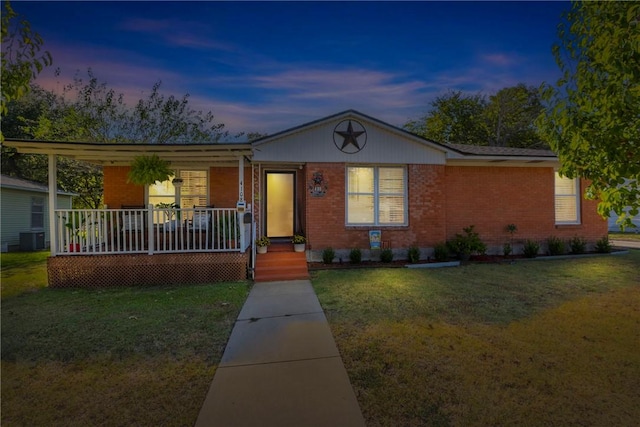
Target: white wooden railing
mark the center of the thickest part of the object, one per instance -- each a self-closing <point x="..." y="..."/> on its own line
<point x="151" y="230"/>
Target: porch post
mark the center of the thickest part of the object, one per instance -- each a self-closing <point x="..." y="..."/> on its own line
<point x="53" y="203"/>
<point x="240" y="215"/>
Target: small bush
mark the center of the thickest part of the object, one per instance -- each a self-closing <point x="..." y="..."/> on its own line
<point x="531" y="249"/>
<point x="413" y="254"/>
<point x="328" y="254"/>
<point x="578" y="245"/>
<point x="386" y="255"/>
<point x="467" y="243"/>
<point x="507" y="249"/>
<point x="441" y="252"/>
<point x="556" y="245"/>
<point x="603" y="245"/>
<point x="355" y="256"/>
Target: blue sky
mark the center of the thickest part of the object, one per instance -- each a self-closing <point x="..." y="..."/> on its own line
<point x="267" y="66"/>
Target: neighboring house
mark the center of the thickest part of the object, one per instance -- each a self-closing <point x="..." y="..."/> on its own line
<point x="613" y="218"/>
<point x="25" y="223"/>
<point x="338" y="178"/>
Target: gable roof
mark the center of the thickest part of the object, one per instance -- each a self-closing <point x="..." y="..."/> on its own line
<point x="453" y="153"/>
<point x="15" y="183"/>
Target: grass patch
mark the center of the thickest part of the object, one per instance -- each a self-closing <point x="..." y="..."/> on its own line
<point x="538" y="343"/>
<point x="130" y="356"/>
<point x="22" y="272"/>
<point x="633" y="236"/>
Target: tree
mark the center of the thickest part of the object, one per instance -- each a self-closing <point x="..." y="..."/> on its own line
<point x="511" y="114"/>
<point x="454" y="118"/>
<point x="21" y="57"/>
<point x="507" y="119"/>
<point x="592" y="116"/>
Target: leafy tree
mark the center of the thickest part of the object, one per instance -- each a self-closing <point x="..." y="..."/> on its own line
<point x="21" y="57"/>
<point x="454" y="118"/>
<point x="511" y="114"/>
<point x="592" y="119"/>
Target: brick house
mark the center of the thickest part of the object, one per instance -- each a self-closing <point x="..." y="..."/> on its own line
<point x="336" y="179"/>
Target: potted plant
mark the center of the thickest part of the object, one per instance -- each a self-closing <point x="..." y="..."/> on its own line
<point x="76" y="231"/>
<point x="299" y="243"/>
<point x="262" y="244"/>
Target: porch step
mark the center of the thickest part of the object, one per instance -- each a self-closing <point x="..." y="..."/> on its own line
<point x="274" y="266"/>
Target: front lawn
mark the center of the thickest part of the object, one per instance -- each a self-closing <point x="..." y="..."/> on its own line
<point x="131" y="356"/>
<point x="533" y="343"/>
<point x="22" y="272"/>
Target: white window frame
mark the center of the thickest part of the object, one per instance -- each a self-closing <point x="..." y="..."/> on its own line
<point x="39" y="202"/>
<point x="574" y="196"/>
<point x="376" y="196"/>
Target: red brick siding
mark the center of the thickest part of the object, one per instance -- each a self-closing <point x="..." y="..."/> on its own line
<point x="325" y="216"/>
<point x="223" y="187"/>
<point x="117" y="191"/>
<point x="492" y="197"/>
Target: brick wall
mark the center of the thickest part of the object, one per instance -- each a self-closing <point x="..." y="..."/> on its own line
<point x="492" y="197"/>
<point x="325" y="216"/>
<point x="223" y="187"/>
<point x="117" y="191"/>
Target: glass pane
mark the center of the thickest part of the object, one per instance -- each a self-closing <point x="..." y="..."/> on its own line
<point x="164" y="188"/>
<point x="360" y="180"/>
<point x="360" y="209"/>
<point x="391" y="210"/>
<point x="391" y="180"/>
<point x="280" y="208"/>
<point x="565" y="185"/>
<point x="566" y="209"/>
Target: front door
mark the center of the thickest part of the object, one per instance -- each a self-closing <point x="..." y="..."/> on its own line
<point x="280" y="204"/>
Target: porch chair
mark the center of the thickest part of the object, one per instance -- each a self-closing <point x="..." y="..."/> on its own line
<point x="201" y="220"/>
<point x="133" y="221"/>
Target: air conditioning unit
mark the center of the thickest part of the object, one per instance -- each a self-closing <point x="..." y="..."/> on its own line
<point x="32" y="241"/>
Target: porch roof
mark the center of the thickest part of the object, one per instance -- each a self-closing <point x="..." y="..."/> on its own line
<point x="121" y="154"/>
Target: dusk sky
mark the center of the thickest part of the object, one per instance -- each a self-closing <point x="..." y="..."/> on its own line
<point x="267" y="66"/>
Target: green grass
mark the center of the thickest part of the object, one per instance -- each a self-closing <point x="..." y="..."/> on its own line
<point x="22" y="272"/>
<point x="130" y="356"/>
<point x="632" y="236"/>
<point x="533" y="343"/>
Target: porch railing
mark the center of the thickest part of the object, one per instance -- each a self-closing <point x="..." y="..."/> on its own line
<point x="151" y="230"/>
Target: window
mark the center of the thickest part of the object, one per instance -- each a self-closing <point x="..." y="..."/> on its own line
<point x="567" y="200"/>
<point x="37" y="213"/>
<point x="376" y="195"/>
<point x="192" y="193"/>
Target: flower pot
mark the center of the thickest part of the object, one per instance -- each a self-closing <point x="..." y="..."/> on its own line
<point x="74" y="247"/>
<point x="299" y="247"/>
<point x="262" y="249"/>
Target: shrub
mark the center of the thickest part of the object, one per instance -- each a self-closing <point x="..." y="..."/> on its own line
<point x="328" y="254"/>
<point x="441" y="252"/>
<point x="603" y="245"/>
<point x="355" y="256"/>
<point x="386" y="255"/>
<point x="467" y="243"/>
<point x="531" y="249"/>
<point x="578" y="245"/>
<point x="507" y="249"/>
<point x="556" y="245"/>
<point x="413" y="254"/>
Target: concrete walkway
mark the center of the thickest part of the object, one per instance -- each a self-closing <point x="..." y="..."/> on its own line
<point x="627" y="244"/>
<point x="281" y="366"/>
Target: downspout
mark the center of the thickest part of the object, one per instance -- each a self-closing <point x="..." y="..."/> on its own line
<point x="53" y="203"/>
